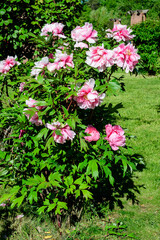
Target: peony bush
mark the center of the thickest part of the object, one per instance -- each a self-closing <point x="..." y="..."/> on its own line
<point x="60" y="148"/>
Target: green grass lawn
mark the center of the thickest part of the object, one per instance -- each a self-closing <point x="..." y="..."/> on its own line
<point x="140" y="117"/>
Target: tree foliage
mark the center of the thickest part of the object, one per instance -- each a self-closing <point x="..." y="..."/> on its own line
<point x="99" y="12"/>
<point x="20" y="17"/>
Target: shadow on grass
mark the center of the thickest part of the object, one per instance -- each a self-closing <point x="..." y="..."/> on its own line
<point x="158" y="108"/>
<point x="124" y="187"/>
<point x="107" y="196"/>
<point x="6" y="228"/>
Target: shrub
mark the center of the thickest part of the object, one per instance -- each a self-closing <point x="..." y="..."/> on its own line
<point x="147" y="41"/>
<point x="60" y="146"/>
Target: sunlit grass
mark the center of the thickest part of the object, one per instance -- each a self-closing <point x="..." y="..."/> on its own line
<point x="141" y="118"/>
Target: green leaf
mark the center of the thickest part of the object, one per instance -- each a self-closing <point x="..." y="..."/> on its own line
<point x="78" y="193"/>
<point x="33" y="181"/>
<point x="55" y="183"/>
<point x="62" y="205"/>
<point x="2" y="11"/>
<point x="49" y="142"/>
<point x="83" y="144"/>
<point x="58" y="132"/>
<point x="78" y="181"/>
<point x="87" y="194"/>
<point x="108" y="174"/>
<point x="43" y="185"/>
<point x="43" y="155"/>
<point x="51" y="207"/>
<point x="14" y="189"/>
<point x="42" y="133"/>
<point x="3" y="172"/>
<point x="42" y="177"/>
<point x="83" y="165"/>
<point x="5" y="197"/>
<point x="83" y="186"/>
<point x="32" y="196"/>
<point x="111" y="179"/>
<point x="71" y="123"/>
<point x="65" y="111"/>
<point x="9" y="9"/>
<point x="114" y="86"/>
<point x="124" y="162"/>
<point x="55" y="176"/>
<point x="88" y="179"/>
<point x="14" y="35"/>
<point x="18" y="201"/>
<point x="106" y="170"/>
<point x="68" y="180"/>
<point x="40" y="79"/>
<point x="7" y="22"/>
<point x="93" y="168"/>
<point x="41" y="209"/>
<point x="52" y="113"/>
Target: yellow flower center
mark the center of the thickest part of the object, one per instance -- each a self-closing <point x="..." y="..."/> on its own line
<point x="128" y="52"/>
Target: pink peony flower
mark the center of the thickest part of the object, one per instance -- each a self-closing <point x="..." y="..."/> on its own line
<point x="100" y="58"/>
<point x="126" y="56"/>
<point x="33" y="103"/>
<point x="22" y="132"/>
<point x="4" y="68"/>
<point x="120" y="33"/>
<point x="63" y="59"/>
<point x="81" y="45"/>
<point x="66" y="133"/>
<point x="34" y="119"/>
<point x="7" y="64"/>
<point x="87" y="98"/>
<point x="21" y="87"/>
<point x="115" y="136"/>
<point x="39" y="66"/>
<point x="94" y="134"/>
<point x="84" y="33"/>
<point x="54" y="28"/>
<point x="2" y="205"/>
<point x="53" y="66"/>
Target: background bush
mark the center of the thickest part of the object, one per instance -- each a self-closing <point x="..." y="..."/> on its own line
<point x="147" y="41"/>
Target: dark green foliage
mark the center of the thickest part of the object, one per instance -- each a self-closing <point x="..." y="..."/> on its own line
<point x="147" y="41"/>
<point x="20" y="17"/>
